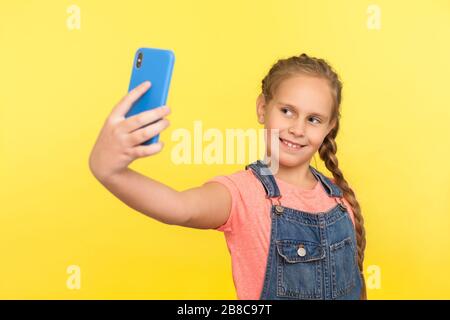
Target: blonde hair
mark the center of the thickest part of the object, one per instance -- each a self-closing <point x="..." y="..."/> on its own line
<point x="306" y="65"/>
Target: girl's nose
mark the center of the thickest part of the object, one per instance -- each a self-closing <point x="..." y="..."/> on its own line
<point x="297" y="130"/>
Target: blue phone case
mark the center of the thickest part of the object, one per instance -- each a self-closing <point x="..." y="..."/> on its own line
<point x="155" y="65"/>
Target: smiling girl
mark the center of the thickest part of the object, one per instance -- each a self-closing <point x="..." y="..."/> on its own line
<point x="291" y="234"/>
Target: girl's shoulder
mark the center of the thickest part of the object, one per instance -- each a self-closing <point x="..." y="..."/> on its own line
<point x="241" y="179"/>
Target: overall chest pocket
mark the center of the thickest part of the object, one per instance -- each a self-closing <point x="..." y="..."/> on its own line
<point x="343" y="267"/>
<point x="299" y="270"/>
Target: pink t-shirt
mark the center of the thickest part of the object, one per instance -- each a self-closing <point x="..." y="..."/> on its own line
<point x="247" y="230"/>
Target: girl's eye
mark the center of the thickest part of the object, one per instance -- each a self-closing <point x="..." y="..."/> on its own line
<point x="316" y="119"/>
<point x="285" y="109"/>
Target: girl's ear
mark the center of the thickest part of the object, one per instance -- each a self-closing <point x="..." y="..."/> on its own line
<point x="332" y="125"/>
<point x="260" y="108"/>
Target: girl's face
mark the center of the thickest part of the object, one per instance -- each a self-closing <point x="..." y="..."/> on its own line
<point x="301" y="109"/>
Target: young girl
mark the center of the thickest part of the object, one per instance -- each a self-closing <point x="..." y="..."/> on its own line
<point x="293" y="233"/>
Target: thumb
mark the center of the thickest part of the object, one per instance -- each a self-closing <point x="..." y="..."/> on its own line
<point x="127" y="101"/>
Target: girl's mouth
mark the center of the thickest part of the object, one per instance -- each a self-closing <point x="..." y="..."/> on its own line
<point x="291" y="146"/>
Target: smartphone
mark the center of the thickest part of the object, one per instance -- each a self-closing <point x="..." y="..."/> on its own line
<point x="156" y="66"/>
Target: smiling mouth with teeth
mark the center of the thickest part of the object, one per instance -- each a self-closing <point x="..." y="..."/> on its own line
<point x="291" y="145"/>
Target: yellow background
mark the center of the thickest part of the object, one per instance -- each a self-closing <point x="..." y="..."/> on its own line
<point x="57" y="86"/>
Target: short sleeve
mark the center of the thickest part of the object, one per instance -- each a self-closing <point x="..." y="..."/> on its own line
<point x="235" y="195"/>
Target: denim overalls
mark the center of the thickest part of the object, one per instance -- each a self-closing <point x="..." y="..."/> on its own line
<point x="311" y="255"/>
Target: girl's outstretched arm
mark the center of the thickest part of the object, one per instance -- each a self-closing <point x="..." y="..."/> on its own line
<point x="119" y="144"/>
<point x="203" y="207"/>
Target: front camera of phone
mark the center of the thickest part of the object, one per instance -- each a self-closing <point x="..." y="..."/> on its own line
<point x="139" y="60"/>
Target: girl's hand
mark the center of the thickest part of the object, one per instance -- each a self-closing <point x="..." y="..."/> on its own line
<point x="118" y="143"/>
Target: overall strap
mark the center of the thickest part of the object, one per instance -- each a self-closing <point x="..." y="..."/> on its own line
<point x="331" y="188"/>
<point x="263" y="173"/>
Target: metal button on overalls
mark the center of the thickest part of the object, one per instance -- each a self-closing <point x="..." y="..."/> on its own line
<point x="301" y="251"/>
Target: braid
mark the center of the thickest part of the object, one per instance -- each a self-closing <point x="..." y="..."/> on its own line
<point x="327" y="152"/>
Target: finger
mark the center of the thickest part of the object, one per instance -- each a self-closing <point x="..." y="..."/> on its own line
<point x="146" y="133"/>
<point x="144" y="118"/>
<point x="145" y="151"/>
<point x="127" y="101"/>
